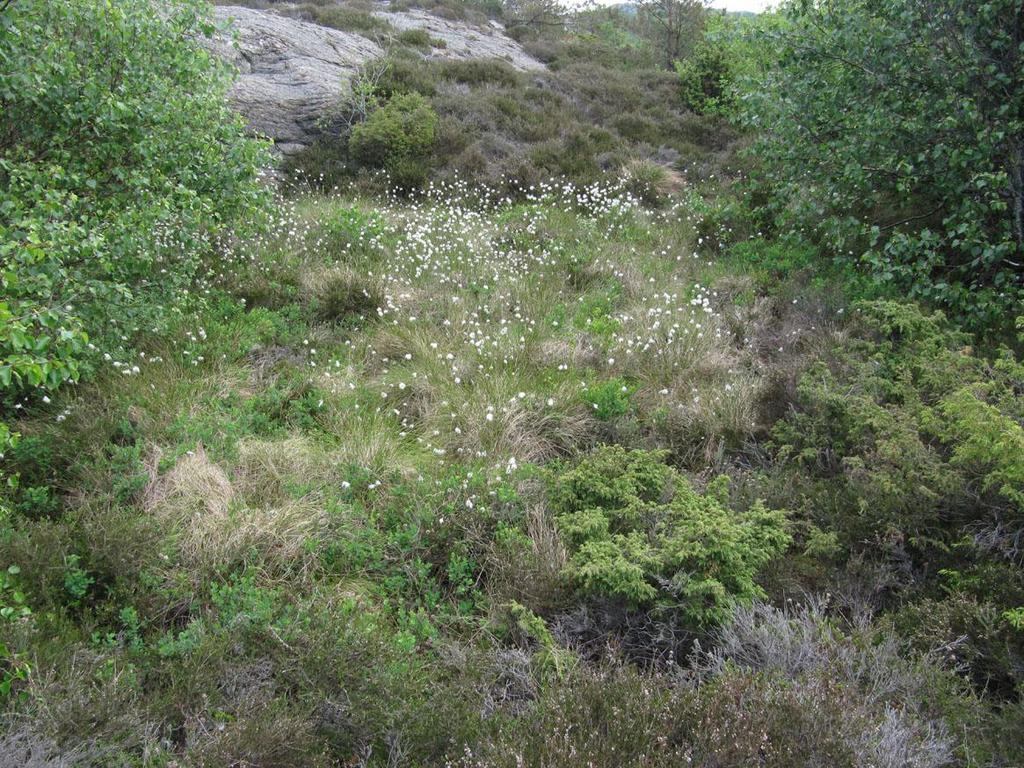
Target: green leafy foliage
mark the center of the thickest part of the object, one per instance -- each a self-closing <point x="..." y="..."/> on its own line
<point x="729" y="52"/>
<point x="76" y="580"/>
<point x="893" y="129"/>
<point x="119" y="161"/>
<point x="609" y="399"/>
<point x="638" y="532"/>
<point x="13" y="668"/>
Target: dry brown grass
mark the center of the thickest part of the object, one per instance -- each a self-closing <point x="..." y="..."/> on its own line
<point x="193" y="487"/>
<point x="533" y="578"/>
<point x="271" y="472"/>
<point x="277" y="535"/>
<point x="210" y="523"/>
<point x="578" y="353"/>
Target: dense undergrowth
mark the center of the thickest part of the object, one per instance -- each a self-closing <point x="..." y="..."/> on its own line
<point x="592" y="472"/>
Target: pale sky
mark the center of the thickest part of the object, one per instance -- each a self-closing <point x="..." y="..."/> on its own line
<point x="742" y="5"/>
<point x="729" y="5"/>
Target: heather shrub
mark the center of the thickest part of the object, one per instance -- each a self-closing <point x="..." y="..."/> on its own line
<point x="417" y="38"/>
<point x="407" y="74"/>
<point x="480" y="71"/>
<point x="348" y="18"/>
<point x="638" y="532"/>
<point x="607" y="717"/>
<point x="791" y="687"/>
<point x="975" y="630"/>
<point x="576" y="154"/>
<point x="767" y="718"/>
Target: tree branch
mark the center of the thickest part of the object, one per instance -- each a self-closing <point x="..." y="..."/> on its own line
<point x="909" y="219"/>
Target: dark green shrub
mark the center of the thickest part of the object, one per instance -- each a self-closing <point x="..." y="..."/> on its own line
<point x="638" y="532"/>
<point x="397" y="138"/>
<point x="902" y="430"/>
<point x="323" y="165"/>
<point x="986" y="441"/>
<point x="706" y="79"/>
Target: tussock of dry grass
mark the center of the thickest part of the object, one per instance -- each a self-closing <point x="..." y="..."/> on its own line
<point x="366" y="439"/>
<point x="705" y="421"/>
<point x="503" y="416"/>
<point x="212" y="528"/>
<point x="527" y="432"/>
<point x="268" y="472"/>
<point x="194" y="487"/>
<point x="627" y="276"/>
<point x="278" y="535"/>
<point x="650" y="180"/>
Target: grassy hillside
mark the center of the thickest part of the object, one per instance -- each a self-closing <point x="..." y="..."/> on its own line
<point x="582" y="467"/>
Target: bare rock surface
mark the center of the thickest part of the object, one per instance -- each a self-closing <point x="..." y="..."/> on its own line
<point x="465" y="41"/>
<point x="290" y="71"/>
